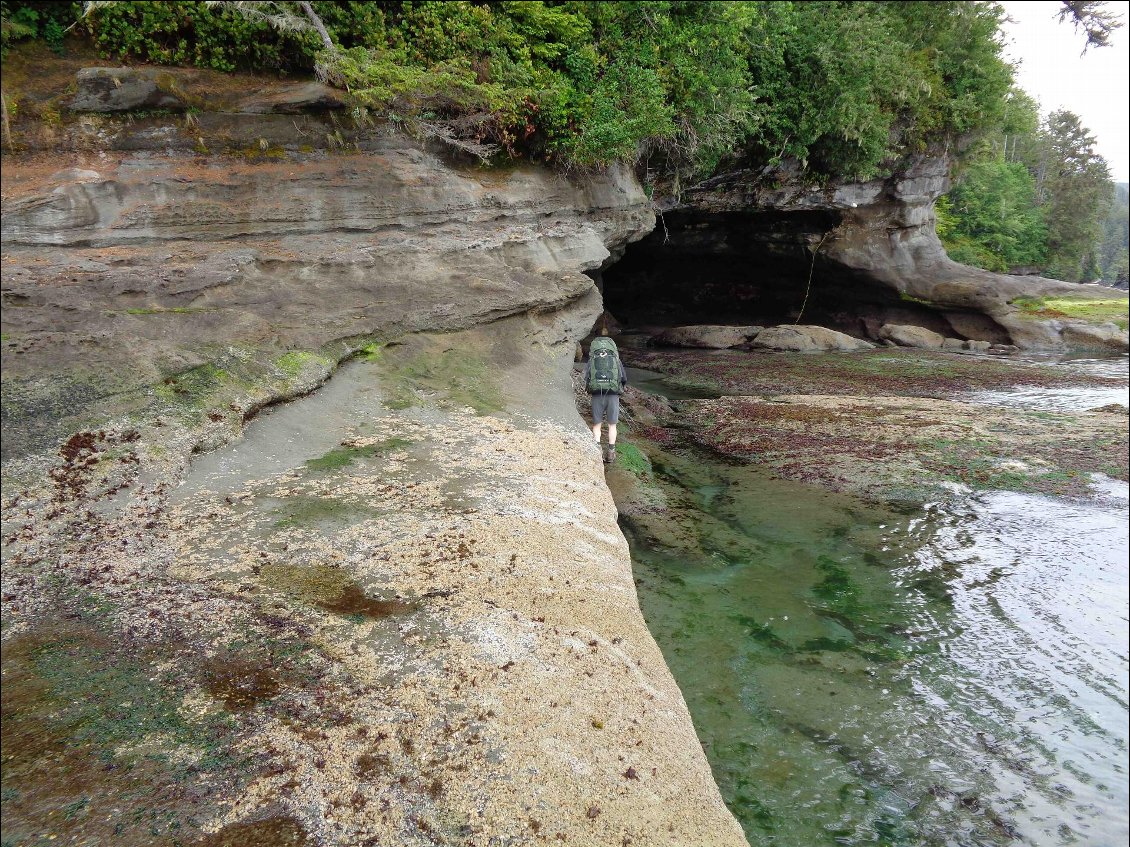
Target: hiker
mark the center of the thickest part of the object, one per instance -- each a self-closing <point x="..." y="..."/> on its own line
<point x="605" y="380"/>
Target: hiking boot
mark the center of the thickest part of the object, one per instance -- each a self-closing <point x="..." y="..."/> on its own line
<point x="610" y="456"/>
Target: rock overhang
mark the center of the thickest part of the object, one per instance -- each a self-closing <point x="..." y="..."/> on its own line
<point x="762" y="246"/>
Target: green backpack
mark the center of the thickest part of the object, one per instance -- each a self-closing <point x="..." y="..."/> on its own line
<point x="604" y="366"/>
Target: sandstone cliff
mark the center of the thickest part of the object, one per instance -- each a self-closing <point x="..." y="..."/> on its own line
<point x="398" y="610"/>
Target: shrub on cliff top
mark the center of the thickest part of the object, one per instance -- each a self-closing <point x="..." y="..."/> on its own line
<point x="843" y="87"/>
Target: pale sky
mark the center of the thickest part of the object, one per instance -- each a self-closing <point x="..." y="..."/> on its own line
<point x="1094" y="86"/>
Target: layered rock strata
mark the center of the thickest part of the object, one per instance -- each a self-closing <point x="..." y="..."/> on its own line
<point x="122" y="270"/>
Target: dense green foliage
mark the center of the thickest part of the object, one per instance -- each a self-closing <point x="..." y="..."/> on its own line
<point x="1037" y="197"/>
<point x="991" y="219"/>
<point x="41" y="19"/>
<point x="1114" y="261"/>
<point x="1073" y="183"/>
<point x="844" y="87"/>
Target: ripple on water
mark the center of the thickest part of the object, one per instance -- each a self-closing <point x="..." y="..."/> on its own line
<point x="859" y="676"/>
<point x="1041" y="596"/>
<point x="1073" y="398"/>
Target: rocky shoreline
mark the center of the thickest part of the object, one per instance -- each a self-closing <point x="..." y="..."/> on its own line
<point x="892" y="426"/>
<point x="404" y="614"/>
<point x="427" y="633"/>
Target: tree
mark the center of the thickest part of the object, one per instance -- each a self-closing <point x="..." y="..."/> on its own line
<point x="1093" y="18"/>
<point x="997" y="224"/>
<point x="1116" y="238"/>
<point x="1073" y="186"/>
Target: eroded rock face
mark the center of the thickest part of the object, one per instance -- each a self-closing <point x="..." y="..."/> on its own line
<point x="124" y="269"/>
<point x="761" y="245"/>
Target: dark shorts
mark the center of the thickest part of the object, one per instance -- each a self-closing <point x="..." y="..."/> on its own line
<point x="605" y="407"/>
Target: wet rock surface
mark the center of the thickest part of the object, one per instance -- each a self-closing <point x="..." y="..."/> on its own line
<point x="421" y="629"/>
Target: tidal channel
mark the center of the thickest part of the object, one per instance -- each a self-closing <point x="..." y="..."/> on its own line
<point x="955" y="674"/>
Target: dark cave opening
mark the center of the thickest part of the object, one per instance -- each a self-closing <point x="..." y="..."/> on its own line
<point x="751" y="268"/>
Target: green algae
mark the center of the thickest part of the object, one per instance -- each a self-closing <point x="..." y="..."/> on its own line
<point x="96" y="748"/>
<point x="836" y="589"/>
<point x="1093" y="310"/>
<point x="193" y="386"/>
<point x="345" y="455"/>
<point x="632" y="459"/>
<point x="295" y="362"/>
<point x="311" y="510"/>
<point x="453" y="378"/>
<point x="807" y="618"/>
<point x="370" y="352"/>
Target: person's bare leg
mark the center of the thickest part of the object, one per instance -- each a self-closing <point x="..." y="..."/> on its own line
<point x="596" y="432"/>
<point x="612" y="435"/>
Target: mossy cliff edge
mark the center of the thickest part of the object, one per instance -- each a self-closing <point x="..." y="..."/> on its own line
<point x="397" y="610"/>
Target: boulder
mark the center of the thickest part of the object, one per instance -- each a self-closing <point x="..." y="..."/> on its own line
<point x="297" y="99"/>
<point x="711" y="336"/>
<point x="906" y="335"/>
<point x="975" y="325"/>
<point x="633" y="340"/>
<point x="124" y="90"/>
<point x="953" y="344"/>
<point x="806" y="339"/>
<point x="978" y="346"/>
<point x="1095" y="337"/>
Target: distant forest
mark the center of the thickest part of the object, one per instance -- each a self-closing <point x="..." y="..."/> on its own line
<point x="1113" y="258"/>
<point x="1038" y="199"/>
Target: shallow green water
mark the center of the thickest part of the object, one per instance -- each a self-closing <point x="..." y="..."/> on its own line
<point x="955" y="675"/>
